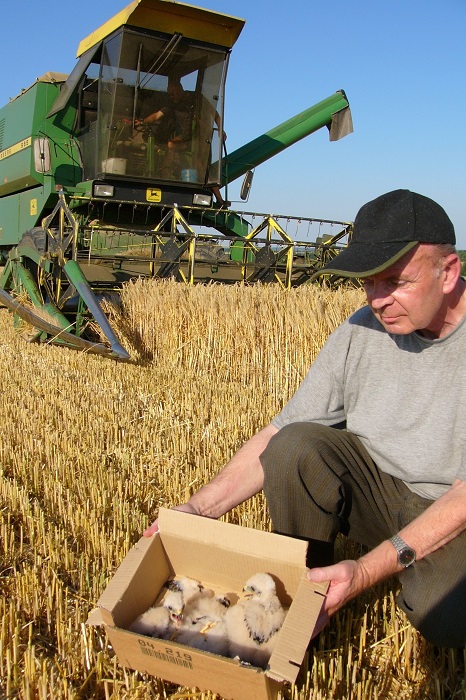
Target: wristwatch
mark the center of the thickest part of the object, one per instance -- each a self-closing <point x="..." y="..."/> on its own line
<point x="406" y="554"/>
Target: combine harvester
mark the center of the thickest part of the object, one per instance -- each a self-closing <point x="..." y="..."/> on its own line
<point x="93" y="193"/>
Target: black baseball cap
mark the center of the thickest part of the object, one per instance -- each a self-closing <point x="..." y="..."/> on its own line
<point x="387" y="228"/>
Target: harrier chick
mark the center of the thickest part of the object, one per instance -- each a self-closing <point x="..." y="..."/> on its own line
<point x="253" y="623"/>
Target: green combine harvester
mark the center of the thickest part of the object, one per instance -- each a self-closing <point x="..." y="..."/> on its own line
<point x="115" y="172"/>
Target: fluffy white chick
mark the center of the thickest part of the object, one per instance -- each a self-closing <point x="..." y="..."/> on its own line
<point x="190" y="588"/>
<point x="253" y="623"/>
<point x="204" y="625"/>
<point x="161" y="620"/>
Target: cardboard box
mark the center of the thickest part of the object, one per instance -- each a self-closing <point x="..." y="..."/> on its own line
<point x="222" y="556"/>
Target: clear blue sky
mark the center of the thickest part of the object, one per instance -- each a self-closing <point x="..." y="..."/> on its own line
<point x="401" y="63"/>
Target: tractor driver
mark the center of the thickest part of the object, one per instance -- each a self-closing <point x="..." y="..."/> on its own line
<point x="372" y="444"/>
<point x="180" y="113"/>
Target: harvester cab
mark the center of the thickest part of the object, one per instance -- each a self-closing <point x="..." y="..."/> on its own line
<point x="147" y="102"/>
<point x="114" y="172"/>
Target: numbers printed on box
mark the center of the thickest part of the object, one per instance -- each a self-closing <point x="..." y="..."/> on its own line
<point x="172" y="656"/>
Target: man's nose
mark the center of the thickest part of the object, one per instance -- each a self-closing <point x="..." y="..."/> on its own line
<point x="379" y="295"/>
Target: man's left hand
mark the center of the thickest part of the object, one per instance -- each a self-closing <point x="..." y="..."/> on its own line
<point x="347" y="580"/>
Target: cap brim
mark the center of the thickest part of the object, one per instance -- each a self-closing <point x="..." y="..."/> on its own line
<point x="360" y="260"/>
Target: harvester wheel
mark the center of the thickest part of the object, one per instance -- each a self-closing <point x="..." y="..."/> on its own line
<point x="36" y="238"/>
<point x="46" y="288"/>
<point x="39" y="258"/>
<point x="34" y="280"/>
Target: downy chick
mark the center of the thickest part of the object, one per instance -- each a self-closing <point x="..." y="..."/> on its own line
<point x="161" y="620"/>
<point x="253" y="623"/>
<point x="190" y="588"/>
<point x="204" y="625"/>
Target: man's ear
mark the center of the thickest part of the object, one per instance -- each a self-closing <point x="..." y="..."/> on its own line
<point x="451" y="271"/>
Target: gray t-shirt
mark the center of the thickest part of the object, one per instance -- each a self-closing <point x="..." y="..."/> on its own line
<point x="404" y="396"/>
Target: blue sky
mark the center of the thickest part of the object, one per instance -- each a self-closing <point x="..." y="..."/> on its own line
<point x="401" y="63"/>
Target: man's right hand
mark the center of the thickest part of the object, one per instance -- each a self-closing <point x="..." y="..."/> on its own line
<point x="184" y="507"/>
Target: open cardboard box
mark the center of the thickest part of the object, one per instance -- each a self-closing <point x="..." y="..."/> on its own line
<point x="222" y="556"/>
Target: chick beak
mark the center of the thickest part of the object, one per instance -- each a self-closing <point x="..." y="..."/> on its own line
<point x="248" y="592"/>
<point x="177" y="617"/>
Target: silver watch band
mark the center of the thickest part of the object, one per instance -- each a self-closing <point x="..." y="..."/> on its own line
<point x="398" y="542"/>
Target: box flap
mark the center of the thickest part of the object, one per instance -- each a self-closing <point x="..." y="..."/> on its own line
<point x="95" y="618"/>
<point x="125" y="598"/>
<point x="293" y="639"/>
<point x="229" y="554"/>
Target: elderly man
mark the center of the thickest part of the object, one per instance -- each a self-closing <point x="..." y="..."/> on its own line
<point x="372" y="444"/>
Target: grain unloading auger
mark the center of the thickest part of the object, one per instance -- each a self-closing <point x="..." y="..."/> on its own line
<point x="93" y="193"/>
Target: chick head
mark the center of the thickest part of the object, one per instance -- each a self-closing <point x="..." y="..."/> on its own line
<point x="259" y="586"/>
<point x="174" y="603"/>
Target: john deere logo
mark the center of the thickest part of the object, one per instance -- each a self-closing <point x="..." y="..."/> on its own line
<point x="153" y="195"/>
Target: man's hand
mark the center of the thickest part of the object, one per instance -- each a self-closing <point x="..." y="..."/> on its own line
<point x="347" y="580"/>
<point x="185" y="507"/>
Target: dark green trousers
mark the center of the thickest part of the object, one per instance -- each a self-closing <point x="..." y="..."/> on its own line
<point x="321" y="481"/>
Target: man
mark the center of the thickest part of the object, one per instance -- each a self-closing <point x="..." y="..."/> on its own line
<point x="393" y="376"/>
<point x="180" y="112"/>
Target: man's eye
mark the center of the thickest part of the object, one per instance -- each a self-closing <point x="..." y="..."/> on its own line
<point x="384" y="285"/>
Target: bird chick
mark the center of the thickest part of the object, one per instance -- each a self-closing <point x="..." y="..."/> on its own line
<point x="190" y="588"/>
<point x="253" y="623"/>
<point x="161" y="620"/>
<point x="215" y="607"/>
<point x="175" y="604"/>
<point x="204" y="625"/>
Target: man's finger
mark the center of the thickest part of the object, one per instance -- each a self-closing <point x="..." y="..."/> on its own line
<point x="152" y="529"/>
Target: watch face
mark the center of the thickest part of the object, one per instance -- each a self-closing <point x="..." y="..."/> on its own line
<point x="407" y="556"/>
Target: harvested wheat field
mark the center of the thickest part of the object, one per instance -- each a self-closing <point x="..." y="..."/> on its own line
<point x="90" y="448"/>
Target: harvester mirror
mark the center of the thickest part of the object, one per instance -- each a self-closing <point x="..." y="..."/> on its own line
<point x="246" y="186"/>
<point x="42" y="160"/>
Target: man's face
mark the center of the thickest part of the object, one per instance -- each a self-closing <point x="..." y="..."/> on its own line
<point x="175" y="91"/>
<point x="410" y="295"/>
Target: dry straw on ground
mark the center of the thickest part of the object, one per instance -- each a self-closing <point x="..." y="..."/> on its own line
<point x="90" y="448"/>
